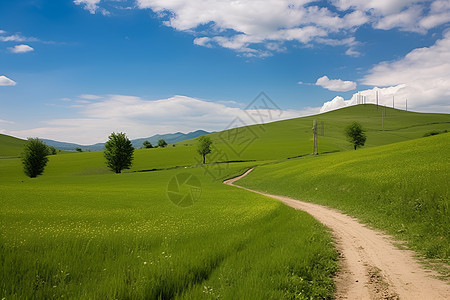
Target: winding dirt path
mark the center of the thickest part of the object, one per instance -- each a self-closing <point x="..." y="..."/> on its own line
<point x="371" y="266"/>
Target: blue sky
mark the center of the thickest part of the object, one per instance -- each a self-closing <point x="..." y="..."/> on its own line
<point x="77" y="70"/>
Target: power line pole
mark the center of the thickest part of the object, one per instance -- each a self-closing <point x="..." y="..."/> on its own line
<point x="315" y="137"/>
<point x="406" y="104"/>
<point x="377" y="100"/>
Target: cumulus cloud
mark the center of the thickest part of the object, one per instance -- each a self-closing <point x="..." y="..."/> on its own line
<point x="384" y="96"/>
<point x="5" y="81"/>
<point x="251" y="26"/>
<point x="21" y="49"/>
<point x="141" y="118"/>
<point x="425" y="72"/>
<point x="422" y="77"/>
<point x="337" y="85"/>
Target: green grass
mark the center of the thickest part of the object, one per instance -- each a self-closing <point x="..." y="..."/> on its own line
<point x="80" y="231"/>
<point x="98" y="235"/>
<point x="10" y="146"/>
<point x="402" y="188"/>
<point x="291" y="138"/>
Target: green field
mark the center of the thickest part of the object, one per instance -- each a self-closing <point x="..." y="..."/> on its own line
<point x="73" y="235"/>
<point x="402" y="188"/>
<point x="81" y="231"/>
<point x="10" y="146"/>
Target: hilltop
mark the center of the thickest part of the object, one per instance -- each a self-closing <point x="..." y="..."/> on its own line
<point x="10" y="146"/>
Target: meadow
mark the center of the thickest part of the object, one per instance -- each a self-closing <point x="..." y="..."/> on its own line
<point x="401" y="188"/>
<point x="81" y="231"/>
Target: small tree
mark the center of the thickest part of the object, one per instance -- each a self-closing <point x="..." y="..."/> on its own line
<point x="118" y="152"/>
<point x="147" y="144"/>
<point x="78" y="149"/>
<point x="162" y="143"/>
<point x="34" y="157"/>
<point x="355" y="135"/>
<point x="204" y="146"/>
<point x="51" y="150"/>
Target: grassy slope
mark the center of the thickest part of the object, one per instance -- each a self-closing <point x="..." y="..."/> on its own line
<point x="88" y="232"/>
<point x="402" y="188"/>
<point x="10" y="146"/>
<point x="289" y="138"/>
<point x="80" y="233"/>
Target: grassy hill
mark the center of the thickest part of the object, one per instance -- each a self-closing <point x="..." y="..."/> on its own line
<point x="81" y="231"/>
<point x="10" y="146"/>
<point x="291" y="138"/>
<point x="401" y="188"/>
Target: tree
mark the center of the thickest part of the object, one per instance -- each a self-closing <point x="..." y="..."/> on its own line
<point x="78" y="149"/>
<point x="34" y="157"/>
<point x="204" y="146"/>
<point x="51" y="150"/>
<point x="162" y="143"/>
<point x="118" y="152"/>
<point x="147" y="144"/>
<point x="355" y="134"/>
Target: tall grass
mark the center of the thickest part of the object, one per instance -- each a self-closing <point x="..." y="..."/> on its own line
<point x="118" y="236"/>
<point x="402" y="188"/>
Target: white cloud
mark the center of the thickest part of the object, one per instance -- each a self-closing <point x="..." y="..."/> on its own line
<point x="439" y="14"/>
<point x="405" y="20"/>
<point x="422" y="77"/>
<point x="252" y="25"/>
<point x="369" y="96"/>
<point x="141" y="118"/>
<point x="91" y="6"/>
<point x="337" y="85"/>
<point x="425" y="72"/>
<point x="6" y="122"/>
<point x="2" y="32"/>
<point x="5" y="81"/>
<point x="20" y="49"/>
<point x="247" y="26"/>
<point x="352" y="52"/>
<point x="17" y="38"/>
<point x="90" y="97"/>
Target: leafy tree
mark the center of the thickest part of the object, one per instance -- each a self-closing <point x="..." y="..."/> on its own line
<point x="162" y="143"/>
<point x="34" y="157"/>
<point x="204" y="146"/>
<point x="78" y="149"/>
<point x="51" y="150"/>
<point x="355" y="134"/>
<point x="118" y="152"/>
<point x="147" y="144"/>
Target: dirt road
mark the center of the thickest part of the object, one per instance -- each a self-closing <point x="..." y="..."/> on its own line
<point x="371" y="266"/>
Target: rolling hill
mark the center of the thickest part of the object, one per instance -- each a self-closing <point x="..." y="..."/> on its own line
<point x="10" y="146"/>
<point x="82" y="231"/>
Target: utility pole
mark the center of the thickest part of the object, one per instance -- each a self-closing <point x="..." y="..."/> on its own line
<point x="315" y="137"/>
<point x="377" y="100"/>
<point x="406" y="104"/>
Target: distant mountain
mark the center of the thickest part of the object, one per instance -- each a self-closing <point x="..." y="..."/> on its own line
<point x="170" y="138"/>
